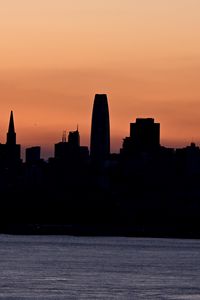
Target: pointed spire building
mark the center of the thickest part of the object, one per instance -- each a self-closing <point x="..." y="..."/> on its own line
<point x="11" y="135"/>
<point x="12" y="150"/>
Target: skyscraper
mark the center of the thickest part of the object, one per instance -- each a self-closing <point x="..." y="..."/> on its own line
<point x="100" y="130"/>
<point x="145" y="133"/>
<point x="144" y="137"/>
<point x="70" y="151"/>
<point x="74" y="139"/>
<point x="11" y="135"/>
<point x="12" y="150"/>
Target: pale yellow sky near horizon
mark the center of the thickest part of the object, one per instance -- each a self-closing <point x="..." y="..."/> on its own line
<point x="56" y="54"/>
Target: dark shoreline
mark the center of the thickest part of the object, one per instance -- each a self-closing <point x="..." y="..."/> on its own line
<point x="96" y="230"/>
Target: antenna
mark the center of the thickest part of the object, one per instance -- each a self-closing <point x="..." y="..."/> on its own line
<point x="64" y="137"/>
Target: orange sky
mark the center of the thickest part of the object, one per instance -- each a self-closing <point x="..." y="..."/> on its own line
<point x="56" y="54"/>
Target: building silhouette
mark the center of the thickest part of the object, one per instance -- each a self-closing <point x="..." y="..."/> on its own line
<point x="74" y="139"/>
<point x="70" y="151"/>
<point x="100" y="130"/>
<point x="12" y="149"/>
<point x="11" y="135"/>
<point x="144" y="136"/>
<point x="33" y="155"/>
<point x="188" y="160"/>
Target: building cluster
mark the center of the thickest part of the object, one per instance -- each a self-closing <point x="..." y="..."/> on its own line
<point x="145" y="188"/>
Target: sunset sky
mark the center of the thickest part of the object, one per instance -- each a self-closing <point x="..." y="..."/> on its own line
<point x="56" y="54"/>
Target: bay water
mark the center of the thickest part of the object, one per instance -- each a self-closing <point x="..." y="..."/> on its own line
<point x="70" y="267"/>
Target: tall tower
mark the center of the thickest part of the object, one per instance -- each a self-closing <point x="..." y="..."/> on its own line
<point x="12" y="155"/>
<point x="100" y="130"/>
<point x="11" y="135"/>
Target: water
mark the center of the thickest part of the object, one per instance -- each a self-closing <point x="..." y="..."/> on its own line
<point x="63" y="267"/>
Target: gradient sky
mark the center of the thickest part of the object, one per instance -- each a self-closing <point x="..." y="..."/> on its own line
<point x="56" y="54"/>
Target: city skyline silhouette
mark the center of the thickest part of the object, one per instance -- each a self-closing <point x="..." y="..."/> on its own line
<point x="50" y="153"/>
<point x="146" y="189"/>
